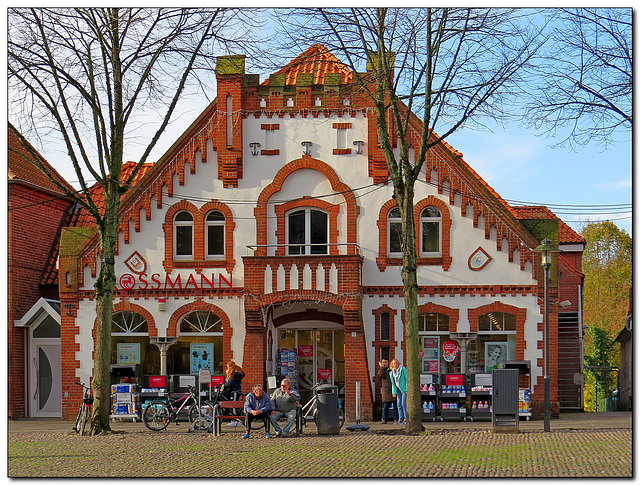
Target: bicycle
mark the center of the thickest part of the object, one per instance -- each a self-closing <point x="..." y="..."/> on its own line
<point x="310" y="409"/>
<point x="84" y="414"/>
<point x="158" y="414"/>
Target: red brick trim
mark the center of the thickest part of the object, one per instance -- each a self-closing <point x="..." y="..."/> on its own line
<point x="126" y="306"/>
<point x="199" y="262"/>
<point x="270" y="152"/>
<point x="452" y="313"/>
<point x="444" y="260"/>
<point x="342" y="151"/>
<point x="270" y="126"/>
<point x="342" y="126"/>
<point x="275" y="186"/>
<point x="392" y="343"/>
<point x="282" y="209"/>
<point x="445" y="229"/>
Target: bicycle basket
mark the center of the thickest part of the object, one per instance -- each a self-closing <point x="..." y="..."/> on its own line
<point x="88" y="400"/>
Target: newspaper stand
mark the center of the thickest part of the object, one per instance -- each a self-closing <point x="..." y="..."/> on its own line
<point x="204" y="421"/>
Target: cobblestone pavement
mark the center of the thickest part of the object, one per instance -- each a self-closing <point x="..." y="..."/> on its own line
<point x="463" y="451"/>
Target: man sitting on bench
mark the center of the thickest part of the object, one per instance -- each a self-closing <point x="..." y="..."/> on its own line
<point x="283" y="403"/>
<point x="257" y="405"/>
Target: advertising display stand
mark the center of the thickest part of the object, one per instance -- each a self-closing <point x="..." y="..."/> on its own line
<point x="428" y="396"/>
<point x="124" y="402"/>
<point x="481" y="396"/>
<point x="453" y="397"/>
<point x="153" y="388"/>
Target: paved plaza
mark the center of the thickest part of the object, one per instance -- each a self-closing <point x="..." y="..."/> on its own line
<point x="579" y="445"/>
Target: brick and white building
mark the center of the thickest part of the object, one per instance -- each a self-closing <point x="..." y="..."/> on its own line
<point x="270" y="225"/>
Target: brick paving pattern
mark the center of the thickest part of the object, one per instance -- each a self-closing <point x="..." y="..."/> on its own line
<point x="459" y="452"/>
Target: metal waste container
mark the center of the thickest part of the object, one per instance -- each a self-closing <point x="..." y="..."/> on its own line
<point x="505" y="400"/>
<point x="327" y="419"/>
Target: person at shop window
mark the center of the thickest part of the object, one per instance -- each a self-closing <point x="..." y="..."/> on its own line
<point x="233" y="376"/>
<point x="257" y="405"/>
<point x="399" y="389"/>
<point x="385" y="389"/>
<point x="284" y="402"/>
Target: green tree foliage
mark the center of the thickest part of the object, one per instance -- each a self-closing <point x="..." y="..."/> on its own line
<point x="607" y="265"/>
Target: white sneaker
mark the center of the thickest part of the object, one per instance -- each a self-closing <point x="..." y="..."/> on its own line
<point x="233" y="423"/>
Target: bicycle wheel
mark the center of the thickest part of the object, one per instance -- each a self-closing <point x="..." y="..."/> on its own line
<point x="76" y="428"/>
<point x="156" y="416"/>
<point x="341" y="416"/>
<point x="83" y="419"/>
<point x="206" y="411"/>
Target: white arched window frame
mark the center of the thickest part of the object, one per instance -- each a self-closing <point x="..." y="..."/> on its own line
<point x="307" y="231"/>
<point x="430" y="232"/>
<point x="394" y="231"/>
<point x="183" y="235"/>
<point x="215" y="235"/>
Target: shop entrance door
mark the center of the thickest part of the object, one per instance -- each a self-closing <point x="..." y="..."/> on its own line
<point x="45" y="391"/>
<point x="320" y="357"/>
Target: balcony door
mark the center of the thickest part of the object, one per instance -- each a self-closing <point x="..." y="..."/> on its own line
<point x="307" y="232"/>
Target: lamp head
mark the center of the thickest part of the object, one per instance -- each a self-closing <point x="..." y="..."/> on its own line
<point x="546" y="248"/>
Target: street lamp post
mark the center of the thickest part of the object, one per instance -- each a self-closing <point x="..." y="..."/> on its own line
<point x="545" y="249"/>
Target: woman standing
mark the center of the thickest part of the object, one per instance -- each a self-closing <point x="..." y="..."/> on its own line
<point x="232" y="380"/>
<point x="399" y="389"/>
<point x="385" y="389"/>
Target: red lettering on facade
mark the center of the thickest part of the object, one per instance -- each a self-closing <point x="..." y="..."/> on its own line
<point x="222" y="278"/>
<point x="172" y="284"/>
<point x="143" y="281"/>
<point x="191" y="280"/>
<point x="155" y="280"/>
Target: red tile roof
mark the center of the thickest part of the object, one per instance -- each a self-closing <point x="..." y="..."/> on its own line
<point x="21" y="169"/>
<point x="97" y="194"/>
<point x="318" y="61"/>
<point x="565" y="233"/>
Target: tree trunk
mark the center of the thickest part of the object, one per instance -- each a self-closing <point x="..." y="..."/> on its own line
<point x="404" y="200"/>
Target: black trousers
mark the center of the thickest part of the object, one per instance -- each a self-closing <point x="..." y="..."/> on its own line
<point x="263" y="416"/>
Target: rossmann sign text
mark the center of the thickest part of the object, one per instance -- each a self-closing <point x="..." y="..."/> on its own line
<point x="157" y="281"/>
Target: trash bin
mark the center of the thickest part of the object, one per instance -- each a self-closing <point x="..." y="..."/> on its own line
<point x="327" y="420"/>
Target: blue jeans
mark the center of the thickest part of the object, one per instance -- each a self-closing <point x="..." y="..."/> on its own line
<point x="386" y="407"/>
<point x="291" y="420"/>
<point x="402" y="406"/>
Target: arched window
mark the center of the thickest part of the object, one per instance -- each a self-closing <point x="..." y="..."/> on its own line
<point x="215" y="241"/>
<point x="433" y="322"/>
<point x="307" y="232"/>
<point x="183" y="235"/>
<point x="394" y="230"/>
<point x="130" y="342"/>
<point x="430" y="234"/>
<point x="199" y="344"/>
<point x="497" y="322"/>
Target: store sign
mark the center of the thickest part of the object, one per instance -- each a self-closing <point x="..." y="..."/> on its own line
<point x="128" y="353"/>
<point x="143" y="281"/>
<point x="201" y="357"/>
<point x="324" y="374"/>
<point x="305" y="350"/>
<point x="450" y="350"/>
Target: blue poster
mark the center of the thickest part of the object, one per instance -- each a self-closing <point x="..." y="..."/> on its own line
<point x="201" y="357"/>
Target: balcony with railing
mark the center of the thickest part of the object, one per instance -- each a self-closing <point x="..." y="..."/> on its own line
<point x="303" y="267"/>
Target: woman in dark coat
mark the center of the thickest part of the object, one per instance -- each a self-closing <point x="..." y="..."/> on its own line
<point x="233" y="380"/>
<point x="385" y="387"/>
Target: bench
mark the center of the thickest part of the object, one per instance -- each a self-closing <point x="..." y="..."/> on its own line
<point x="223" y="410"/>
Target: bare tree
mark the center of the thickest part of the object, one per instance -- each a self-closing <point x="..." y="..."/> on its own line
<point x="450" y="67"/>
<point x="586" y="82"/>
<point x="85" y="74"/>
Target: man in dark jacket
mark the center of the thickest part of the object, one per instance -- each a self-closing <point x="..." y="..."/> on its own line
<point x="257" y="405"/>
<point x="385" y="388"/>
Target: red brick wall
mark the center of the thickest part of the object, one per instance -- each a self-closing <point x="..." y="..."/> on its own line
<point x="33" y="221"/>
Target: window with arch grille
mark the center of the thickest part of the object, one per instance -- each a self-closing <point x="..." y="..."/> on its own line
<point x="183" y="235"/>
<point x="201" y="321"/>
<point x="430" y="235"/>
<point x="129" y="323"/>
